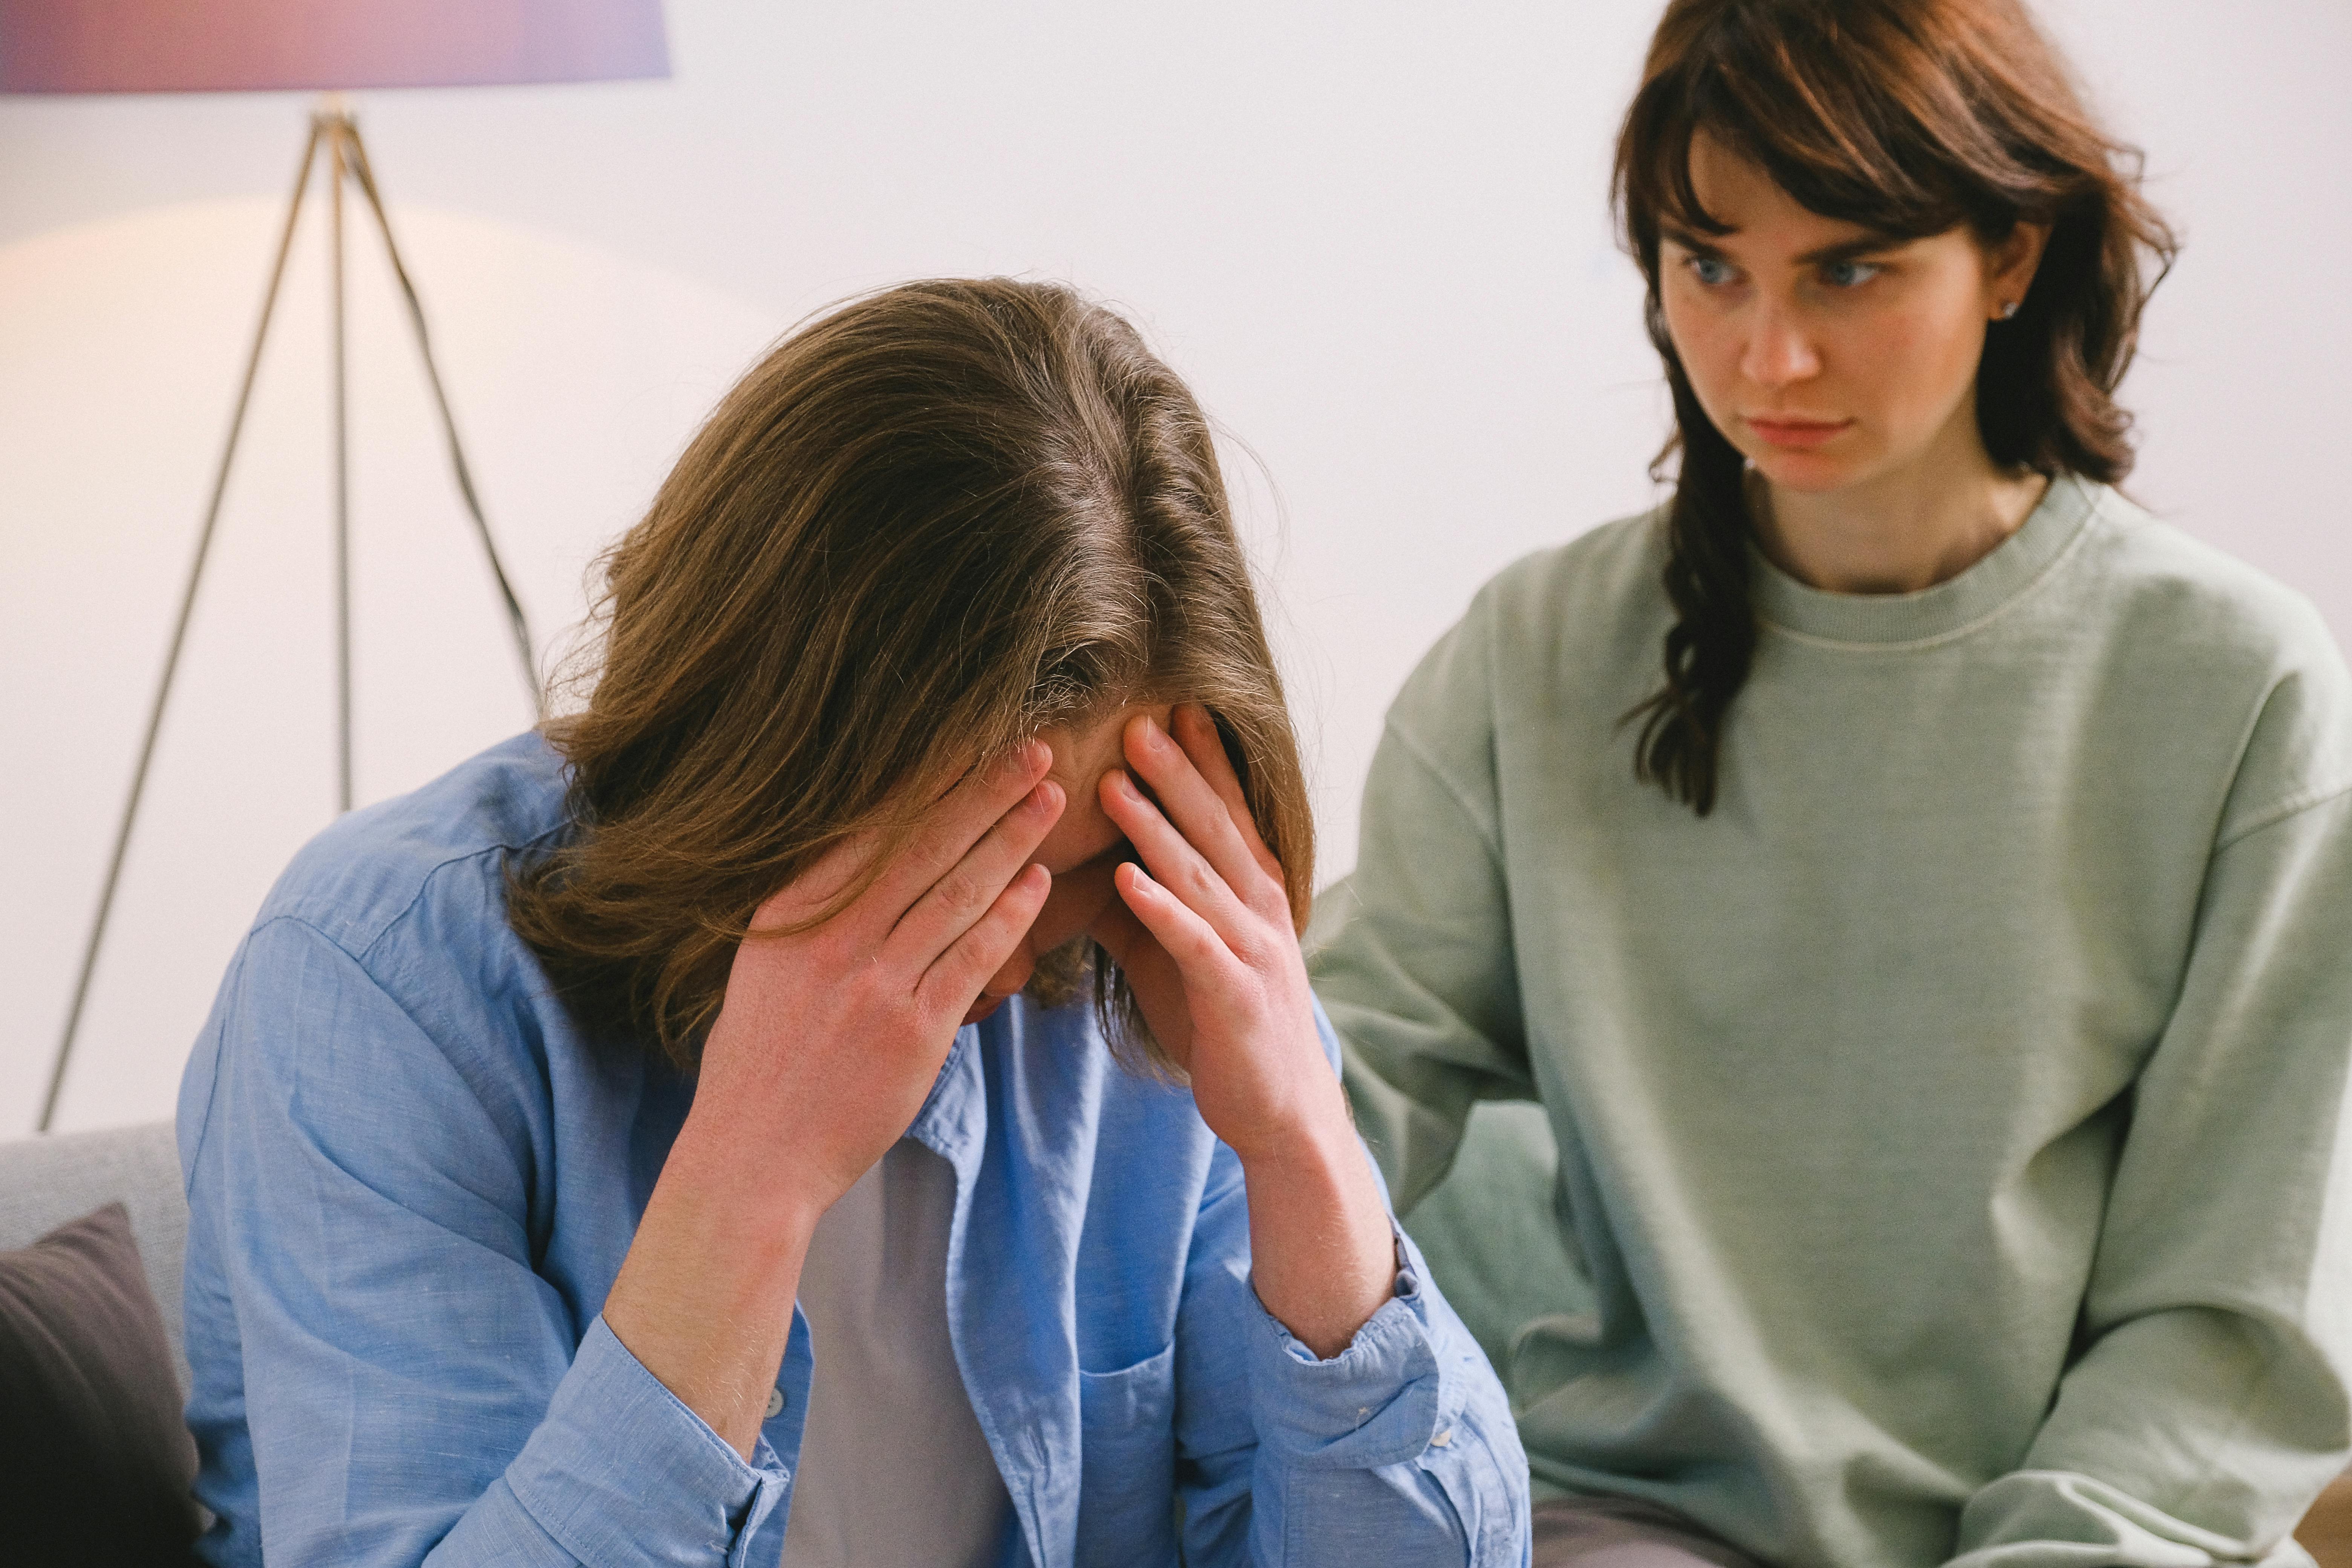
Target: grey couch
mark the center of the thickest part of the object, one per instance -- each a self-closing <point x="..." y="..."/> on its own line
<point x="45" y="1182"/>
<point x="1497" y="1279"/>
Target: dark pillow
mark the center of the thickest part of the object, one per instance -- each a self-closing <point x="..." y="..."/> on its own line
<point x="95" y="1460"/>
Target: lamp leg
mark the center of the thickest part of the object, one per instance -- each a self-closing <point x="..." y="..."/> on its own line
<point x="337" y="126"/>
<point x="179" y="639"/>
<point x="364" y="176"/>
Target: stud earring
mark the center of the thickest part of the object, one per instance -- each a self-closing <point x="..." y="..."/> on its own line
<point x="2007" y="308"/>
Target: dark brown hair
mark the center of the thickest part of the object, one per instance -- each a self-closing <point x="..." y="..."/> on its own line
<point x="929" y="525"/>
<point x="1910" y="118"/>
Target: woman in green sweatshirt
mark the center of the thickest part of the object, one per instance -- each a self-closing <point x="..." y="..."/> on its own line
<point x="1916" y="883"/>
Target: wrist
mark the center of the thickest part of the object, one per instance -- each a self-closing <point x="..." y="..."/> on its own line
<point x="1317" y="1135"/>
<point x="704" y="1298"/>
<point x="1322" y="1248"/>
<point x="749" y="1184"/>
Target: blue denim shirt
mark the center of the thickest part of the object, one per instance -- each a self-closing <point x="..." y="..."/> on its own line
<point x="412" y="1179"/>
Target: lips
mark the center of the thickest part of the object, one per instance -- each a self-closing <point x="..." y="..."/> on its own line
<point x="1797" y="433"/>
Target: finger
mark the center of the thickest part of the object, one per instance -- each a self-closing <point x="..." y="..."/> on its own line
<point x="948" y="829"/>
<point x="806" y="895"/>
<point x="1176" y="864"/>
<point x="1151" y="974"/>
<point x="1200" y="954"/>
<point x="1135" y="950"/>
<point x="1198" y="812"/>
<point x="1117" y="930"/>
<point x="953" y="981"/>
<point x="953" y="904"/>
<point x="1196" y="732"/>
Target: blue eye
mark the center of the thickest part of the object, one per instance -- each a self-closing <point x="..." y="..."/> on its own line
<point x="1710" y="270"/>
<point x="1850" y="274"/>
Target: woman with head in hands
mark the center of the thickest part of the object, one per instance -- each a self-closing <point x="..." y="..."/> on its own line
<point x="906" y="929"/>
<point x="1915" y="882"/>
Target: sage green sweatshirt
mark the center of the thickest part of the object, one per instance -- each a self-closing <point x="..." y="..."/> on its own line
<point x="1951" y="1147"/>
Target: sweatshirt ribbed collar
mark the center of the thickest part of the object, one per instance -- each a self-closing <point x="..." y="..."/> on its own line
<point x="1950" y="608"/>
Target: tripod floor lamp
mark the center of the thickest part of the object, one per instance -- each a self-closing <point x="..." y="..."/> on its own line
<point x="329" y="46"/>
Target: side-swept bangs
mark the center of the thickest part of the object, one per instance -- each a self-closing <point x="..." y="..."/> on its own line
<point x="1912" y="118"/>
<point x="1805" y="116"/>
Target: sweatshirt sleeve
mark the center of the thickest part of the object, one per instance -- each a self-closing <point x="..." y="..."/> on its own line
<point x="412" y="1391"/>
<point x="2207" y="1404"/>
<point x="1400" y="1449"/>
<point x="1412" y="953"/>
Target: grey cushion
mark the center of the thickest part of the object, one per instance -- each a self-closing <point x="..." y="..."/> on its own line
<point x="94" y="1462"/>
<point x="46" y="1180"/>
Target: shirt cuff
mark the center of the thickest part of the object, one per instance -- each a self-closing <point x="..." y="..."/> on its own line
<point x="1375" y="1403"/>
<point x="621" y="1471"/>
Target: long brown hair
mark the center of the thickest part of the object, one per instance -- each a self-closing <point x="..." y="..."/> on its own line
<point x="926" y="526"/>
<point x="1910" y="118"/>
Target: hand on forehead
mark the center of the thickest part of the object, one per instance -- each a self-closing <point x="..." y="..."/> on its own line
<point x="1082" y="755"/>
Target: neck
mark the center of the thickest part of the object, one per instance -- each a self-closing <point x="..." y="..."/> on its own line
<point x="1901" y="531"/>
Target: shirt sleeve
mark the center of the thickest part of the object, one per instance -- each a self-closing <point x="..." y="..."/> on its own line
<point x="1412" y="952"/>
<point x="1400" y="1449"/>
<point x="2207" y="1403"/>
<point x="412" y="1391"/>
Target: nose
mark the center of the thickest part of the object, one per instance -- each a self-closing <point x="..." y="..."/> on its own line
<point x="1779" y="352"/>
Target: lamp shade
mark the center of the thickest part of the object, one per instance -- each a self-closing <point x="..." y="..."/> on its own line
<point x="228" y="45"/>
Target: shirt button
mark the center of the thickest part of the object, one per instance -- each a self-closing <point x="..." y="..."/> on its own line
<point x="775" y="1404"/>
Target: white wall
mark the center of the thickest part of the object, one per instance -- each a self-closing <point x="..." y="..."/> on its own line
<point x="1372" y="236"/>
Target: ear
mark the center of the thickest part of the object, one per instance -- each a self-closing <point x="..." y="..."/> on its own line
<point x="2010" y="266"/>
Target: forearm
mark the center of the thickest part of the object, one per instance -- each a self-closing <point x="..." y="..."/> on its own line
<point x="1322" y="1254"/>
<point x="1400" y="1449"/>
<point x="2205" y="1405"/>
<point x="704" y="1299"/>
<point x="362" y="1226"/>
<point x="833" y="1025"/>
<point x="2193" y="1429"/>
<point x="618" y="1470"/>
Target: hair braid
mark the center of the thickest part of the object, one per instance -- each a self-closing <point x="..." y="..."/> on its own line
<point x="1709" y="579"/>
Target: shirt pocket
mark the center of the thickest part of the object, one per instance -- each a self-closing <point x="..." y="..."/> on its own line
<point x="1127" y="1487"/>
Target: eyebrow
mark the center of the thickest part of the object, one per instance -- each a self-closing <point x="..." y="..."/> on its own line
<point x="1821" y="256"/>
